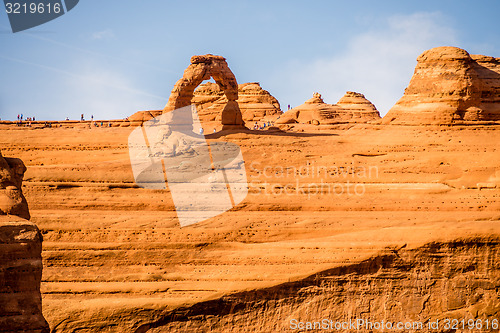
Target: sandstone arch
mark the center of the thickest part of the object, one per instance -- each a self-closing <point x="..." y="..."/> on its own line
<point x="203" y="68"/>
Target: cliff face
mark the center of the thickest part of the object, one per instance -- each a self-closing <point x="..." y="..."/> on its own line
<point x="115" y="258"/>
<point x="430" y="285"/>
<point x="450" y="86"/>
<point x="20" y="256"/>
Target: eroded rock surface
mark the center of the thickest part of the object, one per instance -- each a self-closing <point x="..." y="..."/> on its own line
<point x="20" y="275"/>
<point x="12" y="200"/>
<point x="357" y="107"/>
<point x="115" y="257"/>
<point x="254" y="102"/>
<point x="352" y="107"/>
<point x="437" y="282"/>
<point x="450" y="86"/>
<point x="20" y="256"/>
<point x="141" y="116"/>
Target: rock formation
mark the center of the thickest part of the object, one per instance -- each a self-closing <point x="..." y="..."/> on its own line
<point x="438" y="281"/>
<point x="224" y="102"/>
<point x="20" y="256"/>
<point x="450" y="86"/>
<point x="352" y="107"/>
<point x="203" y="68"/>
<point x="115" y="258"/>
<point x="141" y="116"/>
<point x="357" y="108"/>
<point x="255" y="103"/>
<point x="12" y="200"/>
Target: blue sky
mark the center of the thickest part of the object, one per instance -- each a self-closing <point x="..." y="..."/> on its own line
<point x="112" y="58"/>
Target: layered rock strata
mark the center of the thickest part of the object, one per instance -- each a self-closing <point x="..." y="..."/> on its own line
<point x="352" y="107"/>
<point x="12" y="200"/>
<point x="254" y="102"/>
<point x="20" y="256"/>
<point x="428" y="289"/>
<point x="450" y="86"/>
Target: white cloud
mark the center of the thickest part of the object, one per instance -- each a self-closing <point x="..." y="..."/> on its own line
<point x="105" y="34"/>
<point x="378" y="63"/>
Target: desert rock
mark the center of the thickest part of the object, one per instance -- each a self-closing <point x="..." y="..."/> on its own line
<point x="255" y="103"/>
<point x="352" y="107"/>
<point x="367" y="221"/>
<point x="203" y="68"/>
<point x="20" y="276"/>
<point x="450" y="86"/>
<point x="404" y="286"/>
<point x="141" y="116"/>
<point x="357" y="107"/>
<point x="115" y="257"/>
<point x="12" y="200"/>
<point x="20" y="256"/>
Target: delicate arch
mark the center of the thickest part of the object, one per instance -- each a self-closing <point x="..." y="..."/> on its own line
<point x="203" y="68"/>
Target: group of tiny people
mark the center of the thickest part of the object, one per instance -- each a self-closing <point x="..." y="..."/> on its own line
<point x="92" y="122"/>
<point x="27" y="121"/>
<point x="262" y="126"/>
<point x="20" y="119"/>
